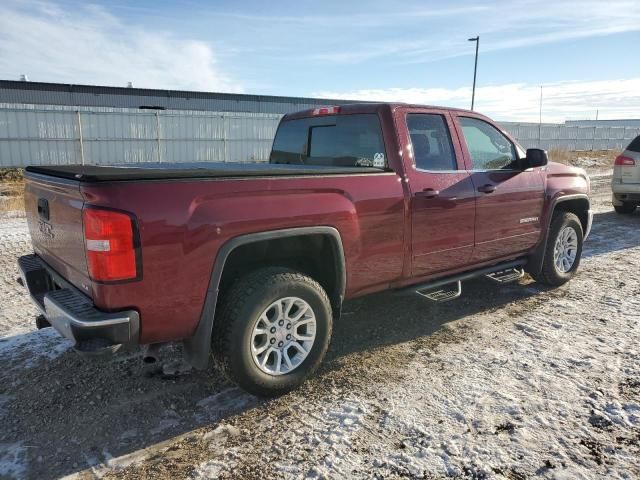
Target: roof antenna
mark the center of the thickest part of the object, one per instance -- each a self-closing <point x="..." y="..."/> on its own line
<point x="24" y="78"/>
<point x="129" y="84"/>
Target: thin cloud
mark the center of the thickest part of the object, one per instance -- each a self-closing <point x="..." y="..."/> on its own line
<point x="358" y="20"/>
<point x="502" y="25"/>
<point x="520" y="102"/>
<point x="89" y="45"/>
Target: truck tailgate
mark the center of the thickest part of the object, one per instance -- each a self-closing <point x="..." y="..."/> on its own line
<point x="54" y="214"/>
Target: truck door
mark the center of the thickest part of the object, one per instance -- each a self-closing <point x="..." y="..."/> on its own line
<point x="509" y="199"/>
<point x="442" y="202"/>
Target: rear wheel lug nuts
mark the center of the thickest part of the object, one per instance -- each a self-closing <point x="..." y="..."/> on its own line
<point x="281" y="322"/>
<point x="273" y="340"/>
<point x="288" y="326"/>
<point x="273" y="330"/>
<point x="289" y="337"/>
<point x="281" y="344"/>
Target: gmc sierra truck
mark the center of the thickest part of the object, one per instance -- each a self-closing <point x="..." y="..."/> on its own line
<point x="250" y="263"/>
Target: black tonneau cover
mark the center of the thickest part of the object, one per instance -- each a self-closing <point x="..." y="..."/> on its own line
<point x="160" y="171"/>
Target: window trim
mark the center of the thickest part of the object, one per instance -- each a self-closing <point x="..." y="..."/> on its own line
<point x="466" y="146"/>
<point x="448" y="129"/>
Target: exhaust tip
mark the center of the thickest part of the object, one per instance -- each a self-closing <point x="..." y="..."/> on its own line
<point x="151" y="353"/>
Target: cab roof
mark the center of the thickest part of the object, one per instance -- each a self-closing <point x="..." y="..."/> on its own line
<point x="351" y="108"/>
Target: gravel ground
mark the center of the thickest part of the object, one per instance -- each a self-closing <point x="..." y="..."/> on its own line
<point x="509" y="381"/>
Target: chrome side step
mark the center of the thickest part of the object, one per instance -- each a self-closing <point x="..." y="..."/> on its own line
<point x="443" y="294"/>
<point x="440" y="290"/>
<point x="506" y="276"/>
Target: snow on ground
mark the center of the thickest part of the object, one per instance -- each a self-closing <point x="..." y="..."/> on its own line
<point x="511" y="381"/>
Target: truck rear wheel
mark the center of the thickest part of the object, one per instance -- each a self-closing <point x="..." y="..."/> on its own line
<point x="564" y="250"/>
<point x="273" y="330"/>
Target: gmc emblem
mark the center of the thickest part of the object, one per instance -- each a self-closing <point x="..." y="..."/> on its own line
<point x="46" y="229"/>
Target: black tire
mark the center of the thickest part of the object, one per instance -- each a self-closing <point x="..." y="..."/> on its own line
<point x="626" y="208"/>
<point x="550" y="274"/>
<point x="242" y="305"/>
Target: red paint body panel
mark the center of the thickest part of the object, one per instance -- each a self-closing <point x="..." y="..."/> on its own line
<point x="391" y="237"/>
<point x="183" y="224"/>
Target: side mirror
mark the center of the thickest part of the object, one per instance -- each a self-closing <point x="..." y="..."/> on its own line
<point x="536" y="157"/>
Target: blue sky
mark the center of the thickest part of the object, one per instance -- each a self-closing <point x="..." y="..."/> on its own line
<point x="584" y="54"/>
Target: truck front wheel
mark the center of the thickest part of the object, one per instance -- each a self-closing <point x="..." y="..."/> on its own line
<point x="272" y="331"/>
<point x="564" y="249"/>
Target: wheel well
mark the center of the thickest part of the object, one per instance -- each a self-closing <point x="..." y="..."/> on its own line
<point x="577" y="206"/>
<point x="315" y="255"/>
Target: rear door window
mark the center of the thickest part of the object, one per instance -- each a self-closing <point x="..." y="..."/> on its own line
<point x="431" y="142"/>
<point x="336" y="140"/>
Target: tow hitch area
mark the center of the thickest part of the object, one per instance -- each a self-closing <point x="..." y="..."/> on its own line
<point x="96" y="347"/>
<point x="42" y="322"/>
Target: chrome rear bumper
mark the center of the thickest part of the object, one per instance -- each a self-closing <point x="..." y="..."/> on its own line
<point x="72" y="313"/>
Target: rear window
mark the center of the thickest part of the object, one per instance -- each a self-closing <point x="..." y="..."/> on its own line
<point x="634" y="146"/>
<point x="336" y="140"/>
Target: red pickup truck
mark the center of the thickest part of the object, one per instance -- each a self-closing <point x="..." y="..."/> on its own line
<point x="252" y="262"/>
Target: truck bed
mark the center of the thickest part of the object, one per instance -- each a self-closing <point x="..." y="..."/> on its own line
<point x="164" y="171"/>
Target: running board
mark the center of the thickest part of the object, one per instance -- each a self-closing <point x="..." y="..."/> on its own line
<point x="506" y="276"/>
<point x="443" y="294"/>
<point x="423" y="289"/>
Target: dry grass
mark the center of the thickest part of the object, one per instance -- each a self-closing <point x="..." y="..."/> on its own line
<point x="11" y="191"/>
<point x="597" y="159"/>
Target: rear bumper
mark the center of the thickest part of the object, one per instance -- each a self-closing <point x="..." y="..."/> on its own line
<point x="72" y="313"/>
<point x="624" y="194"/>
<point x="632" y="189"/>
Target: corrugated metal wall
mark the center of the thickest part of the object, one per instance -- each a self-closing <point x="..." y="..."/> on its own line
<point x="63" y="135"/>
<point x="571" y="137"/>
<point x="39" y="134"/>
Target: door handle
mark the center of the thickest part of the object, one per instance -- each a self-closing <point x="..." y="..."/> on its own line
<point x="488" y="188"/>
<point x="428" y="193"/>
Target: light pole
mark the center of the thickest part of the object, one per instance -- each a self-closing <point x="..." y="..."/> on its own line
<point x="475" y="69"/>
<point x="540" y="121"/>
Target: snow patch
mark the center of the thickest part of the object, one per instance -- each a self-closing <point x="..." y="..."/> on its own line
<point x="28" y="349"/>
<point x="12" y="460"/>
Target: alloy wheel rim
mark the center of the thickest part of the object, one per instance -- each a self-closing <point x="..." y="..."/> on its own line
<point x="565" y="249"/>
<point x="283" y="335"/>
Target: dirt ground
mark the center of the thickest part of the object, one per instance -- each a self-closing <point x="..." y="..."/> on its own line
<point x="510" y="381"/>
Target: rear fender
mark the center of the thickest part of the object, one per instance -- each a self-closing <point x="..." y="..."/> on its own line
<point x="197" y="348"/>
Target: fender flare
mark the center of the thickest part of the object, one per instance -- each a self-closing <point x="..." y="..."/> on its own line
<point x="197" y="348"/>
<point x="534" y="264"/>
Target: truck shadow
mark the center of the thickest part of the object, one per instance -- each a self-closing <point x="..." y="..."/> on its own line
<point x="612" y="232"/>
<point x="390" y="318"/>
<point x="64" y="414"/>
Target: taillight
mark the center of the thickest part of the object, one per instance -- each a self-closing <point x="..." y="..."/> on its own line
<point x="626" y="161"/>
<point x="326" y="111"/>
<point x="110" y="244"/>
